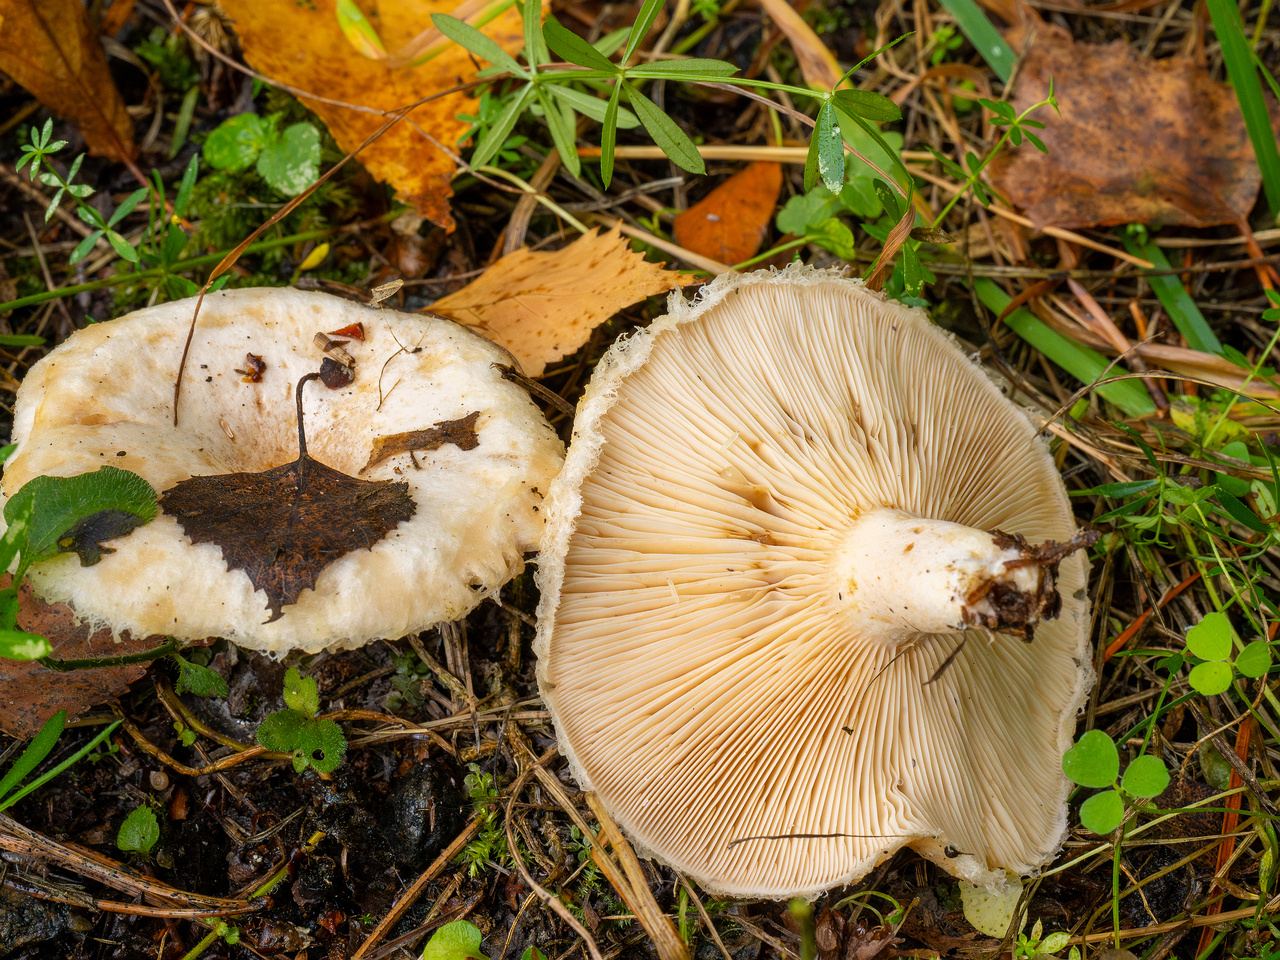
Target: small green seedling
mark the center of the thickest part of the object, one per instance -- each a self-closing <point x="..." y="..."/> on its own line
<point x="459" y="940"/>
<point x="1094" y="761"/>
<point x="140" y="831"/>
<point x="318" y="744"/>
<point x="288" y="160"/>
<point x="490" y="843"/>
<point x="37" y="750"/>
<point x="193" y="678"/>
<point x="1212" y="640"/>
<point x="1031" y="947"/>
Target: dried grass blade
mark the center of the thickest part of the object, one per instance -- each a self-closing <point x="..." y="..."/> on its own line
<point x="639" y="898"/>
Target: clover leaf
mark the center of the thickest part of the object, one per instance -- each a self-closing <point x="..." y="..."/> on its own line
<point x="1212" y="640"/>
<point x="1094" y="761"/>
<point x="315" y="743"/>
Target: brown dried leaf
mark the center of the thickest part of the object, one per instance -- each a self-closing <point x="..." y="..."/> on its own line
<point x="283" y="526"/>
<point x="1157" y="142"/>
<point x="730" y="222"/>
<point x="817" y="64"/>
<point x="543" y="306"/>
<point x="49" y="48"/>
<point x="461" y="433"/>
<point x="30" y="694"/>
<point x="302" y="45"/>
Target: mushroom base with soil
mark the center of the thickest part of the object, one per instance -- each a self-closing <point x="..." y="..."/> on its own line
<point x="900" y="575"/>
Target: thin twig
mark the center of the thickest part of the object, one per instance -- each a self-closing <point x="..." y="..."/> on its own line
<point x="410" y="896"/>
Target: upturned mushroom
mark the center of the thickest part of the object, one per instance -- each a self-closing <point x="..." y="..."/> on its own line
<point x="254" y="542"/>
<point x="809" y="595"/>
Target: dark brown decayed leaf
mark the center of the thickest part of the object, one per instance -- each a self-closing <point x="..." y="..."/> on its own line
<point x="461" y="433"/>
<point x="49" y="48"/>
<point x="30" y="694"/>
<point x="1151" y="141"/>
<point x="283" y="526"/>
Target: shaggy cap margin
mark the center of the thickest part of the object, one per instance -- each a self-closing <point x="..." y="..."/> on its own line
<point x="104" y="397"/>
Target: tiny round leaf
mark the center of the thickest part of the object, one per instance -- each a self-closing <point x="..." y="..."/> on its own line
<point x="1102" y="812"/>
<point x="139" y="832"/>
<point x="1147" y="776"/>
<point x="1210" y="678"/>
<point x="1254" y="659"/>
<point x="1093" y="761"/>
<point x="459" y="940"/>
<point x="1210" y="639"/>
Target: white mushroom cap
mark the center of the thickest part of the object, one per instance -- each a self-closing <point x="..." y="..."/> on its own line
<point x="105" y="397"/>
<point x="727" y="576"/>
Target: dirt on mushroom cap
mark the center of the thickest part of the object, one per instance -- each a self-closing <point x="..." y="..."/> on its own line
<point x="691" y="646"/>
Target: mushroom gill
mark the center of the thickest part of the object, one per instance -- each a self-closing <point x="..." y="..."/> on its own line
<point x="721" y="669"/>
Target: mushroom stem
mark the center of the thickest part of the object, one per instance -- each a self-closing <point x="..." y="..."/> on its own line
<point x="899" y="576"/>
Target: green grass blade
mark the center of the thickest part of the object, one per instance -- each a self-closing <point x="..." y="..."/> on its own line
<point x="1182" y="310"/>
<point x="36" y="751"/>
<point x="978" y="29"/>
<point x="609" y="135"/>
<point x="469" y="38"/>
<point x="1237" y="54"/>
<point x="497" y="134"/>
<point x="535" y="45"/>
<point x="1082" y="363"/>
<point x="70" y="761"/>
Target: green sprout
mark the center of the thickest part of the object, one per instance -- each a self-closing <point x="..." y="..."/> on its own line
<point x="314" y="743"/>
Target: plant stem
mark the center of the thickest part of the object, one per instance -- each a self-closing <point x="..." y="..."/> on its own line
<point x="91" y="663"/>
<point x="202" y="946"/>
<point x="210" y="259"/>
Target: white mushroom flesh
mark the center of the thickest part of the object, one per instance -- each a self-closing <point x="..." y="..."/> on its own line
<point x="709" y="675"/>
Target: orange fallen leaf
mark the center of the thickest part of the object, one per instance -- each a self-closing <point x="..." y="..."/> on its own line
<point x="543" y="306"/>
<point x="303" y="45"/>
<point x="1149" y="141"/>
<point x="48" y="47"/>
<point x="730" y="222"/>
<point x="30" y="693"/>
<point x="818" y="65"/>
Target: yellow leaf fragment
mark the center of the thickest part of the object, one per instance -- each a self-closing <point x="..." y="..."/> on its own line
<point x="991" y="912"/>
<point x="48" y="47"/>
<point x="543" y="306"/>
<point x="818" y="65"/>
<point x="304" y="45"/>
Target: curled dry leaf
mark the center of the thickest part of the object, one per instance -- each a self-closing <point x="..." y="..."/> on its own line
<point x="409" y="156"/>
<point x="49" y="48"/>
<point x="30" y="693"/>
<point x="1156" y="142"/>
<point x="817" y="64"/>
<point x="543" y="306"/>
<point x="730" y="222"/>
